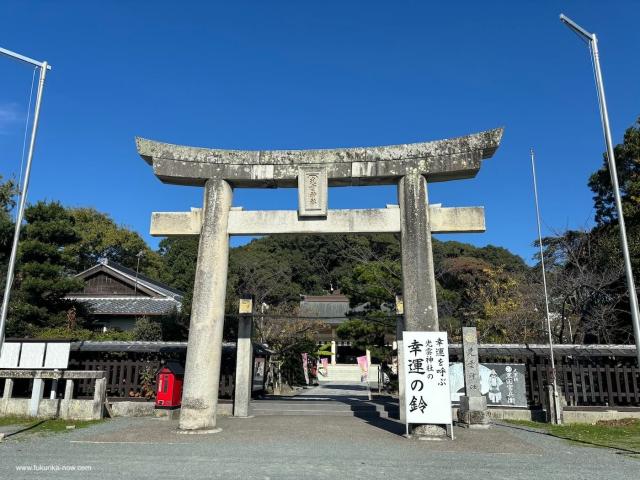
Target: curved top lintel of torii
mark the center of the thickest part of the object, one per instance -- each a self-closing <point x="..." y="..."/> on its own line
<point x="438" y="160"/>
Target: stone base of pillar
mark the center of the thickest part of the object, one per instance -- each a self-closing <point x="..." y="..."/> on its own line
<point x="473" y="412"/>
<point x="199" y="432"/>
<point x="429" y="432"/>
<point x="167" y="414"/>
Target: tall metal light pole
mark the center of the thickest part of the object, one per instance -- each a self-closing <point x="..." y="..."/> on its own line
<point x="44" y="66"/>
<point x="557" y="418"/>
<point x="604" y="116"/>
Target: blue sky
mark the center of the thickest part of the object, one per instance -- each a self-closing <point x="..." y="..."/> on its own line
<point x="266" y="75"/>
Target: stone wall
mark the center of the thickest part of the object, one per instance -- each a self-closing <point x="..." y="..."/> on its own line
<point x="147" y="409"/>
<point x="77" y="409"/>
<point x="593" y="415"/>
<point x="570" y="414"/>
<point x="66" y="407"/>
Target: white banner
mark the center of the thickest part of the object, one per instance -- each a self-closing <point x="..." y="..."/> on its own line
<point x="426" y="379"/>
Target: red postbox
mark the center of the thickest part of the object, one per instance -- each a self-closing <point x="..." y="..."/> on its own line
<point x="169" y="385"/>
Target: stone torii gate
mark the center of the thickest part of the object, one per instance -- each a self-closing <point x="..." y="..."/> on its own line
<point x="410" y="166"/>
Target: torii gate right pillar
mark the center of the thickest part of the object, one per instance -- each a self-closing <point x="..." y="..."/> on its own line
<point x="418" y="279"/>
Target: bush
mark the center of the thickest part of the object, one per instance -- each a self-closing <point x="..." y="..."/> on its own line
<point x="147" y="330"/>
<point x="77" y="334"/>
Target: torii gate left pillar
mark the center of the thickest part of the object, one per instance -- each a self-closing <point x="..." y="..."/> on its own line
<point x="200" y="393"/>
<point x="408" y="166"/>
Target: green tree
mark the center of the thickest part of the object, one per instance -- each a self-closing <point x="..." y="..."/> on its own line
<point x="585" y="267"/>
<point x="146" y="329"/>
<point x="288" y="339"/>
<point x="372" y="269"/>
<point x="43" y="278"/>
<point x="627" y="156"/>
<point x="178" y="257"/>
<point x="98" y="236"/>
<point x="278" y="269"/>
<point x="265" y="275"/>
<point x="368" y="333"/>
<point x="492" y="298"/>
<point x="496" y="256"/>
<point x="7" y="192"/>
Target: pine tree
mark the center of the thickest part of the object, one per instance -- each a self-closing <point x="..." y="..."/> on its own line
<point x="7" y="191"/>
<point x="43" y="277"/>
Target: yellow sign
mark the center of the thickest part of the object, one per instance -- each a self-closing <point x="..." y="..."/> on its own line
<point x="246" y="305"/>
<point x="399" y="305"/>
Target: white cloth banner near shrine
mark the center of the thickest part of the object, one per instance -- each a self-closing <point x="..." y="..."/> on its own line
<point x="426" y="366"/>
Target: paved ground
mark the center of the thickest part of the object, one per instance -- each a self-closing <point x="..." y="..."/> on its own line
<point x="329" y="398"/>
<point x="306" y="446"/>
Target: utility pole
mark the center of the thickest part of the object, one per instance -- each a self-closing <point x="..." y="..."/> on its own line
<point x="592" y="40"/>
<point x="44" y="66"/>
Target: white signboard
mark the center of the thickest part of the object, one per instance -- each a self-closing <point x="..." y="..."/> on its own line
<point x="9" y="355"/>
<point x="426" y="366"/>
<point x="35" y="355"/>
<point x="57" y="355"/>
<point x="32" y="355"/>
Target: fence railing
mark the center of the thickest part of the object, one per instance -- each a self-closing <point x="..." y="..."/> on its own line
<point x="133" y="378"/>
<point x="584" y="379"/>
<point x="579" y="384"/>
<point x="587" y="385"/>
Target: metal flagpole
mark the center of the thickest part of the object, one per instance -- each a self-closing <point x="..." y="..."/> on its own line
<point x="44" y="66"/>
<point x="557" y="418"/>
<point x="604" y="117"/>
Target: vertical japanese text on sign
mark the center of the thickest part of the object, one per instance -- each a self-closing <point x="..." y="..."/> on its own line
<point x="428" y="399"/>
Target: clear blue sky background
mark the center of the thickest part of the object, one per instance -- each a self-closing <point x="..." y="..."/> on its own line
<point x="265" y="75"/>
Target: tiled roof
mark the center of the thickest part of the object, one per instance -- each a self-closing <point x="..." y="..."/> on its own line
<point x="128" y="305"/>
<point x="326" y="298"/>
<point x="131" y="277"/>
<point x="543" y="350"/>
<point x="144" y="280"/>
<point x="324" y="309"/>
<point x="147" y="346"/>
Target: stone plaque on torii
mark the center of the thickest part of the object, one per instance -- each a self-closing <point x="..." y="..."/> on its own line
<point x="408" y="166"/>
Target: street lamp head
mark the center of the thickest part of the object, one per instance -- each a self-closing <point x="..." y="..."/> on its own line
<point x="24" y="58"/>
<point x="581" y="32"/>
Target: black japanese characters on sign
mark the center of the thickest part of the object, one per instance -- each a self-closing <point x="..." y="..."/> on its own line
<point x="427" y="377"/>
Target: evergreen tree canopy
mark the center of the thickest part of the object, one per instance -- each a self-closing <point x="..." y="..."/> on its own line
<point x="44" y="269"/>
<point x="627" y="156"/>
<point x="7" y="192"/>
<point x="98" y="236"/>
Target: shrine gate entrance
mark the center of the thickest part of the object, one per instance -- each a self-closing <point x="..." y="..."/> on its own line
<point x="409" y="166"/>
